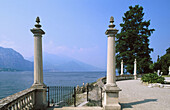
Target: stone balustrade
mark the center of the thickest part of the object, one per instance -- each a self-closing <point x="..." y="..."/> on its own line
<point x="23" y="100"/>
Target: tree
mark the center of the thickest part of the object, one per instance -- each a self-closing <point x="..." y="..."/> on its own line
<point x="133" y="41"/>
<point x="164" y="62"/>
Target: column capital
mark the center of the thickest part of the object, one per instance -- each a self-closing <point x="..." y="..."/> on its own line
<point x="37" y="31"/>
<point x="111" y="31"/>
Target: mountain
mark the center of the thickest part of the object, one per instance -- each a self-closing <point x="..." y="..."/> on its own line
<point x="53" y="62"/>
<point x="12" y="60"/>
<point x="9" y="58"/>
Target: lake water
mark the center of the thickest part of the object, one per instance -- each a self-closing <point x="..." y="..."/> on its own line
<point x="13" y="82"/>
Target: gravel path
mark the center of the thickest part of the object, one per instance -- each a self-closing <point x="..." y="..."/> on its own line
<point x="136" y="96"/>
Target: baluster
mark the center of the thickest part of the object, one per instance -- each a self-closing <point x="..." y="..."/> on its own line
<point x="19" y="104"/>
<point x="28" y="101"/>
<point x="25" y="102"/>
<point x="12" y="107"/>
<point x="25" y="99"/>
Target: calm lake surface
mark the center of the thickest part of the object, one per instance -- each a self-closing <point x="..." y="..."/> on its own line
<point x="13" y="82"/>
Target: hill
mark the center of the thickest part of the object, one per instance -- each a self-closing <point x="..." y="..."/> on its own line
<point x="9" y="58"/>
<point x="53" y="63"/>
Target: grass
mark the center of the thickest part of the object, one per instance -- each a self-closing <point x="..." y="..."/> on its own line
<point x="165" y="75"/>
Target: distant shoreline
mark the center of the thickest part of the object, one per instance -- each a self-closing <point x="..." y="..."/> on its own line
<point x="8" y="70"/>
<point x="14" y="70"/>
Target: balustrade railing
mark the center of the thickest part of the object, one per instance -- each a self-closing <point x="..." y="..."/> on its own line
<point x="24" y="100"/>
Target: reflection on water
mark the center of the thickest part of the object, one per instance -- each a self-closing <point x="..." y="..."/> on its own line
<point x="12" y="82"/>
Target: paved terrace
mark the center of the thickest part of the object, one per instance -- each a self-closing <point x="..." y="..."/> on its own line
<point x="136" y="96"/>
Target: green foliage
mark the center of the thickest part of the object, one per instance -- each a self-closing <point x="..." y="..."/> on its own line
<point x="152" y="78"/>
<point x="92" y="103"/>
<point x="133" y="41"/>
<point x="164" y="63"/>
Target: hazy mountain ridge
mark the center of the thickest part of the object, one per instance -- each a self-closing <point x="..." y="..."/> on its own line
<point x="9" y="58"/>
<point x="53" y="62"/>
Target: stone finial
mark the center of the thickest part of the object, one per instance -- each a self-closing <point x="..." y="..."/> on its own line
<point x="135" y="60"/>
<point x="38" y="21"/>
<point x="111" y="22"/>
<point x="111" y="19"/>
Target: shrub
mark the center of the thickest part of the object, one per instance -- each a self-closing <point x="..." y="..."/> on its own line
<point x="92" y="103"/>
<point x="152" y="78"/>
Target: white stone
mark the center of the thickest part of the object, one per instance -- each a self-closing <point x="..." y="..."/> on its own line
<point x="135" y="68"/>
<point x="40" y="94"/>
<point x="111" y="60"/>
<point x="161" y="85"/>
<point x="111" y="91"/>
<point x="121" y="67"/>
<point x="158" y="72"/>
<point x="150" y="86"/>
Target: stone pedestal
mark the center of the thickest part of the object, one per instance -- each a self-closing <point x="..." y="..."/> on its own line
<point x="111" y="91"/>
<point x="111" y="97"/>
<point x="40" y="93"/>
<point x="40" y="100"/>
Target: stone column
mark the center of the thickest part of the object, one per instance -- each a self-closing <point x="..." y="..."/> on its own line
<point x="158" y="72"/>
<point x="38" y="66"/>
<point x="169" y="70"/>
<point x="135" y="68"/>
<point x="40" y="94"/>
<point x="121" y="67"/>
<point x="111" y="91"/>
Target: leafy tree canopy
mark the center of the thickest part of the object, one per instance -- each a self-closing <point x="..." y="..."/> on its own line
<point x="164" y="63"/>
<point x="133" y="41"/>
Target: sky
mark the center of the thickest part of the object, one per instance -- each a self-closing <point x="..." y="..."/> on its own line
<point x="76" y="28"/>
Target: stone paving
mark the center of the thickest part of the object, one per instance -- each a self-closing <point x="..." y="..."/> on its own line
<point x="136" y="96"/>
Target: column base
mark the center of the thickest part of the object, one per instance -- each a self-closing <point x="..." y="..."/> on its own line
<point x="111" y="97"/>
<point x="38" y="86"/>
<point x="40" y="96"/>
<point x="135" y="77"/>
